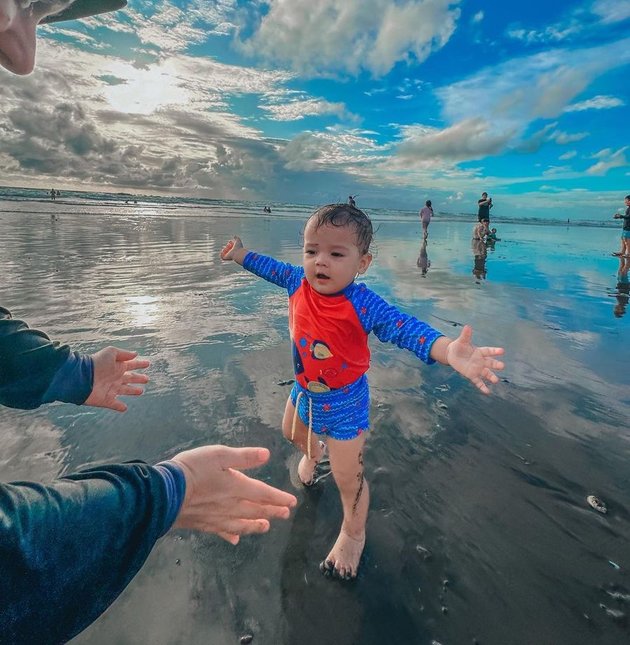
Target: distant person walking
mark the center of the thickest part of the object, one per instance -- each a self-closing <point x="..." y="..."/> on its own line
<point x="624" y="251"/>
<point x="484" y="204"/>
<point x="53" y="194"/>
<point x="425" y="218"/>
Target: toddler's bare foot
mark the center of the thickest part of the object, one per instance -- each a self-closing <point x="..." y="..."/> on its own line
<point x="306" y="467"/>
<point x="343" y="560"/>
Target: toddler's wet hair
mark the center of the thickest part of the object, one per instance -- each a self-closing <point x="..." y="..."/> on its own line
<point x="346" y="215"/>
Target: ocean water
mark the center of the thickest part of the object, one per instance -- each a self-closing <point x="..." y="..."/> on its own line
<point x="90" y="204"/>
<point x="479" y="528"/>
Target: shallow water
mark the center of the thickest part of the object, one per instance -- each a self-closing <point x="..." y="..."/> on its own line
<point x="479" y="527"/>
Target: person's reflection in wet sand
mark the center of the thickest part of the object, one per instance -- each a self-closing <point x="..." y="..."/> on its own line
<point x="423" y="260"/>
<point x="623" y="288"/>
<point x="314" y="610"/>
<point x="480" y="253"/>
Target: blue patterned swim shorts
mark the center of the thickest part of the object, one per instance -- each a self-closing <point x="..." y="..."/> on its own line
<point x="341" y="414"/>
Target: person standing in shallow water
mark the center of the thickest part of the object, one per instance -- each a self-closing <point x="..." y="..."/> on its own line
<point x="330" y="318"/>
<point x="425" y="218"/>
<point x="484" y="204"/>
<point x="625" y="231"/>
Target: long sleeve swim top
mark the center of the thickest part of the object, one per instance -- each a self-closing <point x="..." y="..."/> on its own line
<point x="330" y="332"/>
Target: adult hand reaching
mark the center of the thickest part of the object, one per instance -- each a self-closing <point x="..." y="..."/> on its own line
<point x="220" y="499"/>
<point x="475" y="363"/>
<point x="113" y="377"/>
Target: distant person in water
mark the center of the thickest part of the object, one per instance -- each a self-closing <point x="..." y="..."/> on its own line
<point x="484" y="204"/>
<point x="481" y="230"/>
<point x="491" y="237"/>
<point x="625" y="231"/>
<point x="351" y="200"/>
<point x="425" y="218"/>
<point x="330" y="318"/>
<point x="53" y="194"/>
<point x="423" y="259"/>
<point x="623" y="287"/>
<point x="480" y="253"/>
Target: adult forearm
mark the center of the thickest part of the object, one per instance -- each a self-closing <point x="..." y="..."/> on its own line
<point x="29" y="361"/>
<point x="69" y="549"/>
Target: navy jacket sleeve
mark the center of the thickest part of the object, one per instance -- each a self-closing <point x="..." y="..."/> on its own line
<point x="29" y="361"/>
<point x="69" y="549"/>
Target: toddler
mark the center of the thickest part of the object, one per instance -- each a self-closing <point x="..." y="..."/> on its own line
<point x="330" y="317"/>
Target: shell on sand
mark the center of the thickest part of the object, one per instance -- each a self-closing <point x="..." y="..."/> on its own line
<point x="597" y="504"/>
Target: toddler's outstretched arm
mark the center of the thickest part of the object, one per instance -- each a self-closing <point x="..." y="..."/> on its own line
<point x="475" y="363"/>
<point x="234" y="250"/>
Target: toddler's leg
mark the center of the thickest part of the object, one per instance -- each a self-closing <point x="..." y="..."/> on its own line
<point x="306" y="467"/>
<point x="346" y="461"/>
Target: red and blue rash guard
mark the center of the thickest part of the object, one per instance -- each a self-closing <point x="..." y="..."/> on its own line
<point x="329" y="333"/>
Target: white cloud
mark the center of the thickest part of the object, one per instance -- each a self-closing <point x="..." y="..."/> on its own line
<point x="611" y="11"/>
<point x="468" y="139"/>
<point x="539" y="86"/>
<point x="296" y="110"/>
<point x="552" y="33"/>
<point x="351" y="35"/>
<point x="510" y="96"/>
<point x="563" y="138"/>
<point x="608" y="159"/>
<point x="334" y="148"/>
<point x="478" y="17"/>
<point x="580" y="20"/>
<point x="568" y="155"/>
<point x="598" y="102"/>
<point x="556" y="170"/>
<point x="166" y="124"/>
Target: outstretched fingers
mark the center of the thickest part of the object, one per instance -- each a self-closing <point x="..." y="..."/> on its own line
<point x="240" y="458"/>
<point x="117" y="406"/>
<point x="257" y="492"/>
<point x="129" y="390"/>
<point x="492" y="351"/>
<point x="138" y="364"/>
<point x="134" y="377"/>
<point x="232" y="530"/>
<point x="245" y="509"/>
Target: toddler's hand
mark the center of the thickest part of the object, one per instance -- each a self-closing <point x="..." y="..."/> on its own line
<point x="227" y="252"/>
<point x="475" y="363"/>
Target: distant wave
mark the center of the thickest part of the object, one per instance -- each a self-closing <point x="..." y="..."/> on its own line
<point x="86" y="203"/>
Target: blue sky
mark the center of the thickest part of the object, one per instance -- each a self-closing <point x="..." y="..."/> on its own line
<point x="308" y="101"/>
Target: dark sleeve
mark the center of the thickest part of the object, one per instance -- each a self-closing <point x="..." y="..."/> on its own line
<point x="29" y="361"/>
<point x="69" y="549"/>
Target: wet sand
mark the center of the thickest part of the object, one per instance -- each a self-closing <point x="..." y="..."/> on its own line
<point x="479" y="526"/>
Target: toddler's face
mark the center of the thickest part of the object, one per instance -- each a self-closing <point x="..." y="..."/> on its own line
<point x="332" y="258"/>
